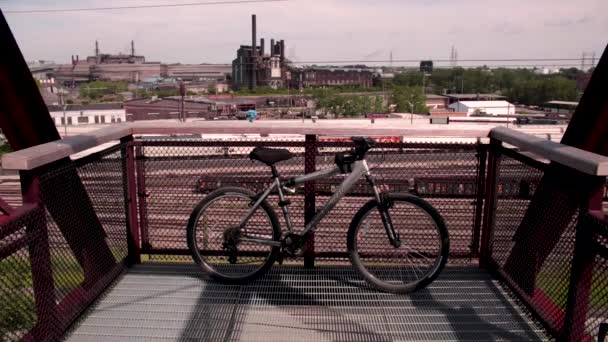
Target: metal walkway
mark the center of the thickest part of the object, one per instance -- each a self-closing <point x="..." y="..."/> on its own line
<point x="163" y="302"/>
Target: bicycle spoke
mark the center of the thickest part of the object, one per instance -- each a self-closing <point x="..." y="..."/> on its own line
<point x="219" y="239"/>
<point x="408" y="264"/>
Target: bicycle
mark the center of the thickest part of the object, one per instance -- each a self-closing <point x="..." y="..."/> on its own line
<point x="234" y="234"/>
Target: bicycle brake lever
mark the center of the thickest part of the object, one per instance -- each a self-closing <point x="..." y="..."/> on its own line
<point x="290" y="190"/>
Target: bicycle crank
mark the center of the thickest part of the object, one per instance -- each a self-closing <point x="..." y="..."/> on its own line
<point x="292" y="245"/>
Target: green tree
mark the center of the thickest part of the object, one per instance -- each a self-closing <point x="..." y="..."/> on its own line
<point x="161" y="92"/>
<point x="519" y="85"/>
<point x="378" y="104"/>
<point x="535" y="91"/>
<point x="212" y="88"/>
<point x="408" y="99"/>
<point x="410" y="79"/>
<point x="96" y="90"/>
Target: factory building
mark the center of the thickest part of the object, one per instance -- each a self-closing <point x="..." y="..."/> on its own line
<point x="473" y="108"/>
<point x="253" y="67"/>
<point x="94" y="113"/>
<point x="328" y="77"/>
<point x="134" y="69"/>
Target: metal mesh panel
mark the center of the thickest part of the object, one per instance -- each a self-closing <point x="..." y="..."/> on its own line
<point x="597" y="310"/>
<point x="444" y="175"/>
<point x="101" y="186"/>
<point x="543" y="285"/>
<point x="542" y="257"/>
<point x="18" y="312"/>
<point x="589" y="289"/>
<point x="55" y="262"/>
<point x="178" y="174"/>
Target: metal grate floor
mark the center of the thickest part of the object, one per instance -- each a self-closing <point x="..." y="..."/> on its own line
<point x="168" y="302"/>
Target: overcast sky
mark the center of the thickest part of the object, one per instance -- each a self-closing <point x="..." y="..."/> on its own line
<point x="317" y="30"/>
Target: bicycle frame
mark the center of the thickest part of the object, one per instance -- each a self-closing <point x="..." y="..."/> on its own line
<point x="359" y="170"/>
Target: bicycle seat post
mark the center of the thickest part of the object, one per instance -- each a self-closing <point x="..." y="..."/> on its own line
<point x="275" y="173"/>
<point x="283" y="202"/>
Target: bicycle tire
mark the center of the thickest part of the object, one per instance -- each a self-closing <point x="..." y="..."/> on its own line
<point x="220" y="273"/>
<point x="373" y="277"/>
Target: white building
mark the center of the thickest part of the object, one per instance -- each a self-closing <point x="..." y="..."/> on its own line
<point x="484" y="107"/>
<point x="97" y="113"/>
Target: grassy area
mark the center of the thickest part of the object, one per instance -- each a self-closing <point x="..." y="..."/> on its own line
<point x="555" y="285"/>
<point x="18" y="313"/>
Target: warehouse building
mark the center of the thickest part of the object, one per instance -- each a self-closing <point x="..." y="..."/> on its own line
<point x="474" y="108"/>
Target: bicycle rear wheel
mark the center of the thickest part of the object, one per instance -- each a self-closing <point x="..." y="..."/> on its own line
<point x="416" y="262"/>
<point x="217" y="215"/>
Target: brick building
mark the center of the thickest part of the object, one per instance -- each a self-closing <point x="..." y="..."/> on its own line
<point x="329" y="77"/>
<point x="196" y="107"/>
<point x="134" y="68"/>
<point x="94" y="113"/>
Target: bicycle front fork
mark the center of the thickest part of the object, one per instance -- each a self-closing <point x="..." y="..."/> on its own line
<point x="384" y="204"/>
<point x="383" y="207"/>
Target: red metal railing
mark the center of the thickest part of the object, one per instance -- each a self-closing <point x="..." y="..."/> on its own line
<point x="556" y="264"/>
<point x="173" y="176"/>
<point x="55" y="264"/>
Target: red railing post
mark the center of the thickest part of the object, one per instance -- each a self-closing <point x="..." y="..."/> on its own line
<point x="47" y="325"/>
<point x="310" y="155"/>
<point x="142" y="196"/>
<point x="491" y="194"/>
<point x="482" y="152"/>
<point x="129" y="179"/>
<point x="581" y="273"/>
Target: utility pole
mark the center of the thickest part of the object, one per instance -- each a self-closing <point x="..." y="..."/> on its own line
<point x="411" y="112"/>
<point x="423" y="83"/>
<point x="583" y="62"/>
<point x="65" y="120"/>
<point x="182" y="92"/>
<point x="508" y="109"/>
<point x="462" y="83"/>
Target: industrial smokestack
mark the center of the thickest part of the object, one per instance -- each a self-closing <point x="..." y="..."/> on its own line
<point x="96" y="49"/>
<point x="132" y="48"/>
<point x="253" y="34"/>
<point x="261" y="46"/>
<point x="252" y="81"/>
<point x="271" y="46"/>
<point x="282" y="46"/>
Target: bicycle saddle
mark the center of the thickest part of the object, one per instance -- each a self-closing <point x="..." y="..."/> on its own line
<point x="270" y="156"/>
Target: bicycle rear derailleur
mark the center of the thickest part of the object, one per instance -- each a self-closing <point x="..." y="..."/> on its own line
<point x="232" y="238"/>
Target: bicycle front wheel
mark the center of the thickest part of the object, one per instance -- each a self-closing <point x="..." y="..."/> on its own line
<point x="416" y="262"/>
<point x="217" y="217"/>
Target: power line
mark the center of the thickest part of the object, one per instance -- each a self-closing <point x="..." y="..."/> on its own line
<point x="444" y="60"/>
<point x="447" y="65"/>
<point x="139" y="6"/>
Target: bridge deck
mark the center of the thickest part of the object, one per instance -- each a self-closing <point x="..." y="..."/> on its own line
<point x="173" y="302"/>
